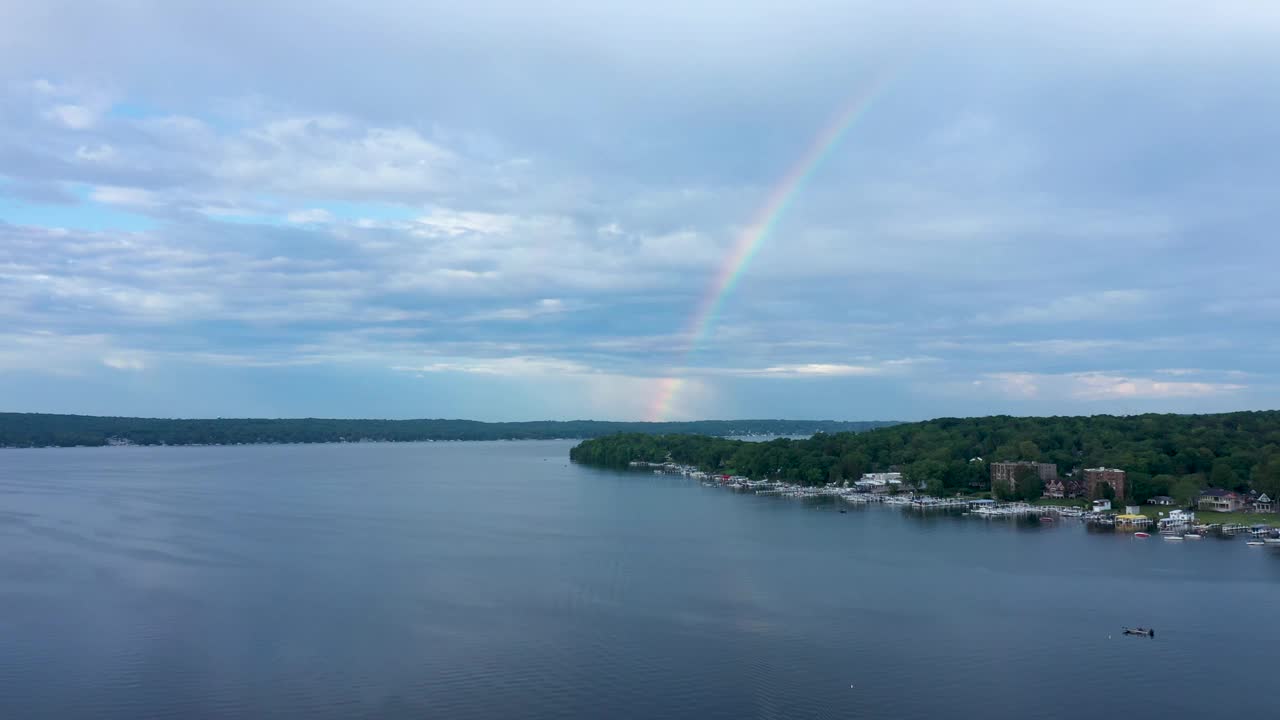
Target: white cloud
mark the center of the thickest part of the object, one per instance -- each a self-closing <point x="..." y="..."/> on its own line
<point x="817" y="370"/>
<point x="310" y="216"/>
<point x="1101" y="386"/>
<point x="95" y="153"/>
<point x="504" y="366"/>
<point x="126" y="196"/>
<point x="1121" y="304"/>
<point x="74" y="117"/>
<point x="1098" y="386"/>
<point x="125" y="362"/>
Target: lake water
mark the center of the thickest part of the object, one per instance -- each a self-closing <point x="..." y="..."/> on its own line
<point x="495" y="580"/>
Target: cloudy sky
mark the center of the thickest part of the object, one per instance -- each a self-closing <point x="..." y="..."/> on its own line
<point x="515" y="210"/>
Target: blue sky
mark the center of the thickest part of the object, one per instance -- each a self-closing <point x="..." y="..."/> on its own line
<point x="512" y="210"/>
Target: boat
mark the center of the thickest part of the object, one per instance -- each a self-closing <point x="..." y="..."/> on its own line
<point x="1272" y="541"/>
<point x="1172" y="537"/>
<point x="1142" y="535"/>
<point x="1255" y="543"/>
<point x="1192" y="536"/>
<point x="1046" y="519"/>
<point x="1147" y="632"/>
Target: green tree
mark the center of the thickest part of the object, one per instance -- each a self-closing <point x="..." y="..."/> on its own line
<point x="1027" y="483"/>
<point x="1222" y="475"/>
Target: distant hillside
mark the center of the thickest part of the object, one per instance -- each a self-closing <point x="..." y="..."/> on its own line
<point x="1163" y="454"/>
<point x="43" y="430"/>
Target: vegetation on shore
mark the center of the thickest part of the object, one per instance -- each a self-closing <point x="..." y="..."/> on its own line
<point x="1176" y="455"/>
<point x="44" y="430"/>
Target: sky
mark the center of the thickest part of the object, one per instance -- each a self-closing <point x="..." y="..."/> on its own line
<point x="643" y="211"/>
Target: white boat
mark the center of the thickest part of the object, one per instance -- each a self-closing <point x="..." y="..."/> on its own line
<point x="1192" y="536"/>
<point x="1255" y="543"/>
<point x="1272" y="541"/>
<point x="1172" y="537"/>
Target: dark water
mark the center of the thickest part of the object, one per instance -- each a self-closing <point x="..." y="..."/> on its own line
<point x="493" y="580"/>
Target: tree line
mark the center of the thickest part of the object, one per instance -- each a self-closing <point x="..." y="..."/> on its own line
<point x="1162" y="454"/>
<point x="47" y="430"/>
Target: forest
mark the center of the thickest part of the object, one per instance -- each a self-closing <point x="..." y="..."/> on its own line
<point x="1162" y="454"/>
<point x="19" y="430"/>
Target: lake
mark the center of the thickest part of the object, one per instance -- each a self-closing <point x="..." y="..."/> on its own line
<point x="496" y="580"/>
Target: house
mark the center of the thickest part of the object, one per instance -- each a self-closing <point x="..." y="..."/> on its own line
<point x="1219" y="500"/>
<point x="1263" y="504"/>
<point x="1101" y="505"/>
<point x="1161" y="500"/>
<point x="1177" y="519"/>
<point x="1115" y="477"/>
<point x="1004" y="474"/>
<point x="879" y="482"/>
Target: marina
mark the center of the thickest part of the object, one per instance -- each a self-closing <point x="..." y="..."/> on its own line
<point x="1176" y="526"/>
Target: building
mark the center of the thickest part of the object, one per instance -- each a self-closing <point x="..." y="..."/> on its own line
<point x="1093" y="477"/>
<point x="1102" y="505"/>
<point x="1004" y="474"/>
<point x="1177" y="519"/>
<point x="1055" y="489"/>
<point x="1161" y="500"/>
<point x="1263" y="504"/>
<point x="879" y="482"/>
<point x="1219" y="500"/>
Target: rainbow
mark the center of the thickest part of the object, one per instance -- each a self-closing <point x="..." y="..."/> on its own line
<point x="763" y="222"/>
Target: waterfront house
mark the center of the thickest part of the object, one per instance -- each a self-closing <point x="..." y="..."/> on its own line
<point x="1161" y="500"/>
<point x="1220" y="500"/>
<point x="1177" y="519"/>
<point x="1263" y="504"/>
<point x="879" y="482"/>
<point x="1101" y="505"/>
<point x="1055" y="488"/>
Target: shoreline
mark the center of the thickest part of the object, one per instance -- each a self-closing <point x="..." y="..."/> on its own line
<point x="979" y="508"/>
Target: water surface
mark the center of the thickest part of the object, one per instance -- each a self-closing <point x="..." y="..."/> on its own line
<point x="494" y="580"/>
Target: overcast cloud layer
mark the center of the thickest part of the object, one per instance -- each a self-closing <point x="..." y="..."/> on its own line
<point x="513" y="210"/>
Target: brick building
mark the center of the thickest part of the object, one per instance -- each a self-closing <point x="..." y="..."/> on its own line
<point x="1004" y="474"/>
<point x="1112" y="476"/>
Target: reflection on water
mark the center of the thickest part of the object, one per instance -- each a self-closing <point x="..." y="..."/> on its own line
<point x="488" y="580"/>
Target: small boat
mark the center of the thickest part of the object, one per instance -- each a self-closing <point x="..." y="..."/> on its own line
<point x="1192" y="536"/>
<point x="1142" y="535"/>
<point x="1255" y="543"/>
<point x="1045" y="519"/>
<point x="1272" y="541"/>
<point x="1147" y="632"/>
<point x="1172" y="537"/>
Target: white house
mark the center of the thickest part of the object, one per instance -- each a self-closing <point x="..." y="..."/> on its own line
<point x="1101" y="505"/>
<point x="1263" y="504"/>
<point x="879" y="482"/>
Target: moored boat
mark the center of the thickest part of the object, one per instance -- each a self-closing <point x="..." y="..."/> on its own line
<point x="1142" y="535"/>
<point x="1192" y="536"/>
<point x="1172" y="537"/>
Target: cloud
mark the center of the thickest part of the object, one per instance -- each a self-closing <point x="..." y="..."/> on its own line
<point x="75" y="117"/>
<point x="818" y="370"/>
<point x="1099" y="386"/>
<point x="124" y="362"/>
<point x="562" y="201"/>
<point x="1072" y="308"/>
<point x="310" y="216"/>
<point x="127" y="196"/>
<point x="505" y="366"/>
